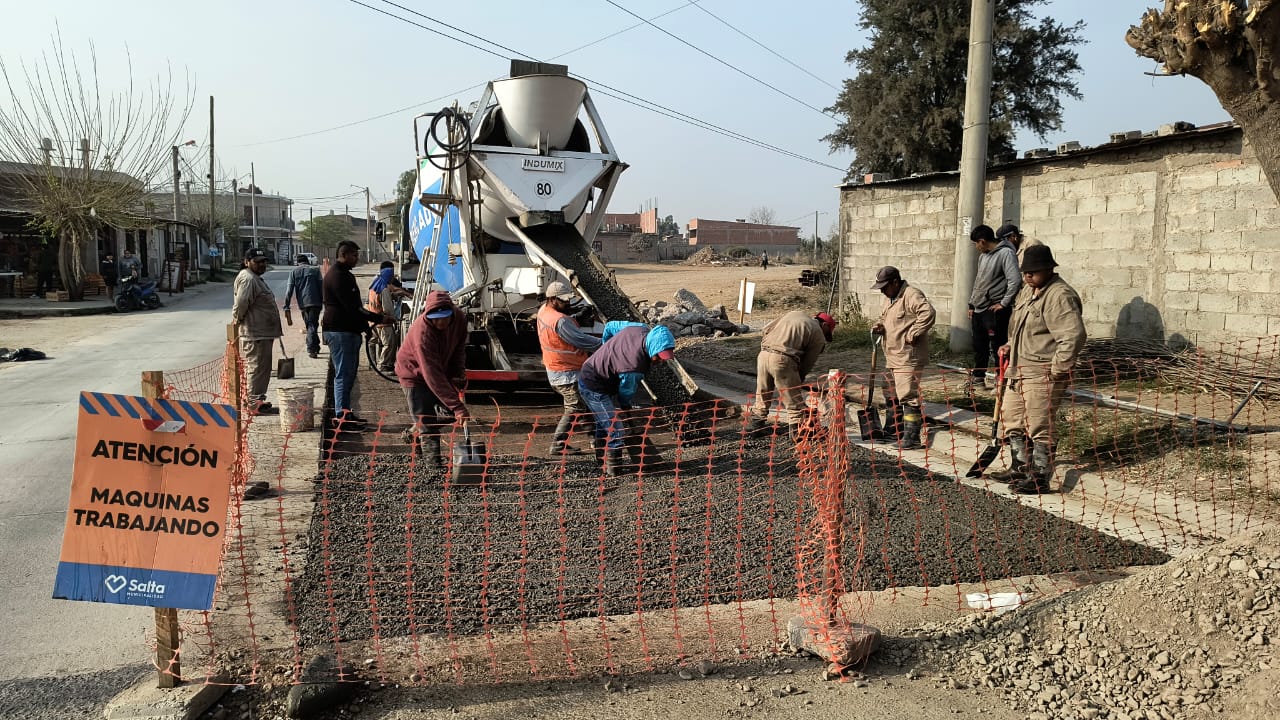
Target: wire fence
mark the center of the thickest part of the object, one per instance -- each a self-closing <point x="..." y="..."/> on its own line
<point x="529" y="564"/>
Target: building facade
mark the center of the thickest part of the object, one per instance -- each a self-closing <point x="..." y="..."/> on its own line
<point x="723" y="235"/>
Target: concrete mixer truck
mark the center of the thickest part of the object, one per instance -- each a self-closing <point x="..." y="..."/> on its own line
<point x="510" y="193"/>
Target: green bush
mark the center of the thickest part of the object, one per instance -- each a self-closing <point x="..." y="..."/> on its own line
<point x="738" y="251"/>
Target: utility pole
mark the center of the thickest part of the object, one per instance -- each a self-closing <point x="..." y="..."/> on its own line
<point x="368" y="228"/>
<point x="815" y="238"/>
<point x="173" y="237"/>
<point x="253" y="204"/>
<point x="212" y="200"/>
<point x="973" y="167"/>
<point x="311" y="227"/>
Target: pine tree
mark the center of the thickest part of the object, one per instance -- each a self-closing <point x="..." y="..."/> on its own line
<point x="904" y="111"/>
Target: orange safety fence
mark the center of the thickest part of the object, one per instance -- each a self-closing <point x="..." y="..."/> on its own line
<point x="537" y="565"/>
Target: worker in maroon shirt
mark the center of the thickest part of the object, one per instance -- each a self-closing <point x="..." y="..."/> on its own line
<point x="431" y="370"/>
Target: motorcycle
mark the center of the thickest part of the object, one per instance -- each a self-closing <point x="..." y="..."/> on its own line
<point x="135" y="293"/>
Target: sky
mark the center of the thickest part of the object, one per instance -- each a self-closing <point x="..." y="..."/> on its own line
<point x="286" y="72"/>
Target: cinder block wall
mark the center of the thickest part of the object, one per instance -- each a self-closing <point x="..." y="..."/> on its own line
<point x="1175" y="239"/>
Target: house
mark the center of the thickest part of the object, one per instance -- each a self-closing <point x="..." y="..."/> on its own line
<point x="756" y="237"/>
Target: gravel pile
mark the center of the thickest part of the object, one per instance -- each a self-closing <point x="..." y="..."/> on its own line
<point x="1193" y="638"/>
<point x="724" y="528"/>
<point x="689" y="317"/>
<point x="708" y="256"/>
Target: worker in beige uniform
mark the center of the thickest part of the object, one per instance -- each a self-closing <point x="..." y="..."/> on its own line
<point x="788" y="351"/>
<point x="1046" y="336"/>
<point x="905" y="323"/>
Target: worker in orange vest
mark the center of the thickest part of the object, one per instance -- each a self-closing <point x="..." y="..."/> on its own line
<point x="385" y="295"/>
<point x="565" y="348"/>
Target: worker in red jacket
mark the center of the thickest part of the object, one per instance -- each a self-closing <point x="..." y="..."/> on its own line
<point x="430" y="367"/>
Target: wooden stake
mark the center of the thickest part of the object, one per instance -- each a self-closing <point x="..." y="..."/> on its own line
<point x="233" y="366"/>
<point x="168" y="634"/>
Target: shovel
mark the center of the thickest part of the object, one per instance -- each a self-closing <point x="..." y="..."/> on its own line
<point x="992" y="451"/>
<point x="470" y="458"/>
<point x="284" y="366"/>
<point x="869" y="427"/>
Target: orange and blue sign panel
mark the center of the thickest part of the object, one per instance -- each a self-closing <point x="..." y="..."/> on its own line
<point x="148" y="509"/>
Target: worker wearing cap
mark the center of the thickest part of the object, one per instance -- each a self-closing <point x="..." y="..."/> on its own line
<point x="905" y="323"/>
<point x="1020" y="242"/>
<point x="610" y="378"/>
<point x="253" y="308"/>
<point x="431" y="369"/>
<point x="991" y="302"/>
<point x="565" y="347"/>
<point x="788" y="351"/>
<point x="1046" y="336"/>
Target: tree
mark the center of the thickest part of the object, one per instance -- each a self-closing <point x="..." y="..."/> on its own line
<point x="1231" y="46"/>
<point x="904" y="111"/>
<point x="640" y="243"/>
<point x="123" y="140"/>
<point x="762" y="215"/>
<point x="406" y="185"/>
<point x="667" y="226"/>
<point x="227" y="222"/>
<point x="325" y="231"/>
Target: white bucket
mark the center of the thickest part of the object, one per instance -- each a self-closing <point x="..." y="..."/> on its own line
<point x="297" y="408"/>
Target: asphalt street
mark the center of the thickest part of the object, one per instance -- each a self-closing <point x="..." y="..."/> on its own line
<point x="54" y="640"/>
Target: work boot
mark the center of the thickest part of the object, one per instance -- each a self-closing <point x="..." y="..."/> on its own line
<point x="1041" y="472"/>
<point x="635" y="449"/>
<point x="912" y="423"/>
<point x="613" y="465"/>
<point x="428" y="444"/>
<point x="560" y="438"/>
<point x="598" y="446"/>
<point x="893" y="420"/>
<point x="1018" y="463"/>
<point x="756" y="427"/>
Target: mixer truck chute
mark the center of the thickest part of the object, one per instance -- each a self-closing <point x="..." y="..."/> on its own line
<point x="510" y="196"/>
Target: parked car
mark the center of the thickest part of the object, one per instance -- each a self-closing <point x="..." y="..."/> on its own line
<point x="310" y="258"/>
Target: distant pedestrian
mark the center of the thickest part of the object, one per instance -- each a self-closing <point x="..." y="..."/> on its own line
<point x="130" y="266"/>
<point x="385" y="294"/>
<point x="305" y="282"/>
<point x="789" y="349"/>
<point x="565" y="347"/>
<point x="343" y="321"/>
<point x="905" y="323"/>
<point x="991" y="302"/>
<point x="1047" y="336"/>
<point x="431" y="368"/>
<point x="110" y="275"/>
<point x="764" y="260"/>
<point x="254" y="310"/>
<point x="46" y="267"/>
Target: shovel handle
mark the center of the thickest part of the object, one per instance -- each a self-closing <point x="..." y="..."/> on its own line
<point x="995" y="415"/>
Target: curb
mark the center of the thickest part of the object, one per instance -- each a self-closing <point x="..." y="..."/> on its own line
<point x="143" y="700"/>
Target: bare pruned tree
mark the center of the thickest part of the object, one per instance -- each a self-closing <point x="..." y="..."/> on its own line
<point x="1232" y="46"/>
<point x="59" y="108"/>
<point x="762" y="215"/>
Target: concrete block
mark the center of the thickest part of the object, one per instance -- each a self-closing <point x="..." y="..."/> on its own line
<point x="1260" y="304"/>
<point x="1205" y="322"/>
<point x="1255" y="198"/>
<point x="1104" y="185"/>
<point x="949" y="201"/>
<point x="1181" y="242"/>
<point x="915" y="205"/>
<point x="1273" y="326"/>
<point x="1111" y="221"/>
<point x="1269" y="219"/>
<point x="933" y="204"/>
<point x="1182" y="300"/>
<point x="1216" y="199"/>
<point x="1195" y="179"/>
<point x="1219" y="302"/>
<point x="880" y="210"/>
<point x="1141" y="182"/>
<point x="1250" y="175"/>
<point x="1177" y="281"/>
<point x="1127" y="259"/>
<point x="144" y="701"/>
<point x="1228" y="220"/>
<point x="1047" y="190"/>
<point x="1076" y="224"/>
<point x="1091" y="205"/>
<point x="1123" y="203"/>
<point x="1041" y="227"/>
<point x="1230" y="261"/>
<point x="1205" y="282"/>
<point x="1266" y="261"/>
<point x="1085" y="242"/>
<point x="898" y="207"/>
<point x="1247" y="325"/>
<point x="1078" y="189"/>
<point x="1190" y="261"/>
<point x="1035" y="210"/>
<point x="1261" y="239"/>
<point x="1250" y="282"/>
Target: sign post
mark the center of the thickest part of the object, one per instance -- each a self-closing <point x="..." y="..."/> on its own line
<point x="746" y="296"/>
<point x="148" y="507"/>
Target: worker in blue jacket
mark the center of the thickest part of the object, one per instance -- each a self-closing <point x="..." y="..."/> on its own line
<point x="610" y="378"/>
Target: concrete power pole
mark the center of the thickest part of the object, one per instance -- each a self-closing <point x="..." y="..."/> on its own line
<point x="253" y="204"/>
<point x="368" y="228"/>
<point x="973" y="167"/>
<point x="212" y="199"/>
<point x="177" y="174"/>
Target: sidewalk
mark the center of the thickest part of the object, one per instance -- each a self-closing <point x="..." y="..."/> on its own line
<point x="12" y="308"/>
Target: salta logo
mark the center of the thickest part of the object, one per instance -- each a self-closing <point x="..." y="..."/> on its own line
<point x="115" y="583"/>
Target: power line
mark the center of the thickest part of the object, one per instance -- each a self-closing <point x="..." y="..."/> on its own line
<point x="649" y="105"/>
<point x="766" y="47"/>
<point x="623" y="30"/>
<point x="732" y="67"/>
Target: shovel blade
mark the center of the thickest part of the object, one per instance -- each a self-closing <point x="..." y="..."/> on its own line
<point x="988" y="456"/>
<point x="470" y="460"/>
<point x="869" y="427"/>
<point x="284" y="368"/>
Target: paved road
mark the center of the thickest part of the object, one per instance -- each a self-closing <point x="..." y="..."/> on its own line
<point x="44" y="639"/>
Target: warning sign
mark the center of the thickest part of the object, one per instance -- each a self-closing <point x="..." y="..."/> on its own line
<point x="148" y="502"/>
